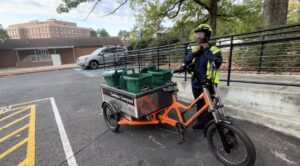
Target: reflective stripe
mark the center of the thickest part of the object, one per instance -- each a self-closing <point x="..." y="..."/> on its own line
<point x="214" y="50"/>
<point x="216" y="74"/>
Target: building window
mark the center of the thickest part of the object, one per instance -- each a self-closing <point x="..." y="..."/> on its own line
<point x="41" y="55"/>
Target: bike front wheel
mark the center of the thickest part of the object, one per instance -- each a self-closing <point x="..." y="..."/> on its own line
<point x="231" y="145"/>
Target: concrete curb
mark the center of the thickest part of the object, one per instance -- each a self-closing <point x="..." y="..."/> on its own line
<point x="37" y="71"/>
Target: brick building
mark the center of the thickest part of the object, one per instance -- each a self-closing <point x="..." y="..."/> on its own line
<point x="37" y="52"/>
<point x="49" y="29"/>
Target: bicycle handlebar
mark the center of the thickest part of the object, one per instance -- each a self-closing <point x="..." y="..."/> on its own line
<point x="191" y="68"/>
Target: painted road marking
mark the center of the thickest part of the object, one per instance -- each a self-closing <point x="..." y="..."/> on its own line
<point x="14" y="122"/>
<point x="13" y="114"/>
<point x="30" y="156"/>
<point x="29" y="102"/>
<point x="63" y="136"/>
<point x="30" y="139"/>
<point x="9" y="109"/>
<point x="13" y="148"/>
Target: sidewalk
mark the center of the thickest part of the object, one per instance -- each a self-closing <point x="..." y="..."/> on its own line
<point x="18" y="71"/>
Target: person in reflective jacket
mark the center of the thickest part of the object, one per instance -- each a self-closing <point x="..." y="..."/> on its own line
<point x="201" y="57"/>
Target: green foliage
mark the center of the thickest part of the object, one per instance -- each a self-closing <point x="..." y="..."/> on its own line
<point x="67" y="5"/>
<point x="102" y="33"/>
<point x="123" y="34"/>
<point x="93" y="33"/>
<point x="240" y="18"/>
<point x="233" y="16"/>
<point x="294" y="12"/>
<point x="3" y="35"/>
<point x="165" y="39"/>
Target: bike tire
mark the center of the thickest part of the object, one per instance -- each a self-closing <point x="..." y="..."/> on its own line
<point x="232" y="132"/>
<point x="111" y="117"/>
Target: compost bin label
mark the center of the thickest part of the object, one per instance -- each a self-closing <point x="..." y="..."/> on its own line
<point x="119" y="96"/>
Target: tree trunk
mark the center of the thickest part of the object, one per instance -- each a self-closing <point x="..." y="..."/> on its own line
<point x="213" y="9"/>
<point x="275" y="12"/>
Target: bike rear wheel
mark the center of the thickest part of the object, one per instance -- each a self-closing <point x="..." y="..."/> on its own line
<point x="111" y="117"/>
<point x="236" y="148"/>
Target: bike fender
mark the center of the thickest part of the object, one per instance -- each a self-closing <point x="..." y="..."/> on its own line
<point x="104" y="102"/>
<point x="213" y="122"/>
<point x="113" y="105"/>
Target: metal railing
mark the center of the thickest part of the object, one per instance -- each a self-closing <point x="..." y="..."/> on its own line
<point x="275" y="50"/>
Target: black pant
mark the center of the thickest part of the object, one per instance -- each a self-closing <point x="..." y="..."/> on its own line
<point x="206" y="116"/>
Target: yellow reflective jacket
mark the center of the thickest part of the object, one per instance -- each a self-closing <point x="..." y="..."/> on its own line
<point x="202" y="60"/>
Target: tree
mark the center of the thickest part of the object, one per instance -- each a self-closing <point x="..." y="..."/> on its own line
<point x="294" y="12"/>
<point x="123" y="34"/>
<point x="204" y="10"/>
<point x="154" y="12"/>
<point x="3" y="35"/>
<point x="275" y="12"/>
<point x="93" y="33"/>
<point x="102" y="33"/>
<point x="248" y="17"/>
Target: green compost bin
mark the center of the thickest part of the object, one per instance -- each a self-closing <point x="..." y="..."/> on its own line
<point x="160" y="76"/>
<point x="136" y="82"/>
<point x="112" y="77"/>
<point x="147" y="68"/>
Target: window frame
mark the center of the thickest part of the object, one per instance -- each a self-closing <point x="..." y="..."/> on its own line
<point x="41" y="55"/>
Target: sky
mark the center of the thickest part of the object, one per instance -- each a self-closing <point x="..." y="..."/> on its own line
<point x="21" y="11"/>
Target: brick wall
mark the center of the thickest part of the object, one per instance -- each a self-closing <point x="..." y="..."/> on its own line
<point x="80" y="51"/>
<point x="8" y="58"/>
<point x="67" y="55"/>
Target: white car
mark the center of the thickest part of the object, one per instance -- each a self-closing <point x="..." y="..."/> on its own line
<point x="103" y="55"/>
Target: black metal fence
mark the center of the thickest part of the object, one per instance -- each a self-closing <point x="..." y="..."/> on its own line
<point x="272" y="51"/>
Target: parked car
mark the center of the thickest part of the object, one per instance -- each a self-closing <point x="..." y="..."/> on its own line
<point x="103" y="55"/>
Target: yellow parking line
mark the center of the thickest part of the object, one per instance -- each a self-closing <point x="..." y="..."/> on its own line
<point x="30" y="156"/>
<point x="13" y="114"/>
<point x="13" y="133"/>
<point x="13" y="109"/>
<point x="14" y="122"/>
<point x="23" y="163"/>
<point x="13" y="148"/>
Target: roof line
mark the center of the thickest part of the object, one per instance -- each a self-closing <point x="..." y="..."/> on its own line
<point x="30" y="48"/>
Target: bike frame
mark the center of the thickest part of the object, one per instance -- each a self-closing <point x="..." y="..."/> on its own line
<point x="162" y="115"/>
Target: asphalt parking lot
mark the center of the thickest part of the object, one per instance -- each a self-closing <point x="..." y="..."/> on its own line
<point x="55" y="118"/>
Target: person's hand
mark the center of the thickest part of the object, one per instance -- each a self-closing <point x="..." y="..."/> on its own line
<point x="195" y="48"/>
<point x="183" y="66"/>
<point x="204" y="45"/>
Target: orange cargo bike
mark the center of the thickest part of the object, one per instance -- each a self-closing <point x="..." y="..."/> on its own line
<point x="153" y="106"/>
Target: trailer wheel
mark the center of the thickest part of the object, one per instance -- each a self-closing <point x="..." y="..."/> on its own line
<point x="111" y="117"/>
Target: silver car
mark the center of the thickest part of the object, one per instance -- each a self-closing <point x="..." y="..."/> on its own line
<point x="103" y="55"/>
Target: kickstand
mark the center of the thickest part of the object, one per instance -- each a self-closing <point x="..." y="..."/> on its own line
<point x="181" y="141"/>
<point x="181" y="130"/>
